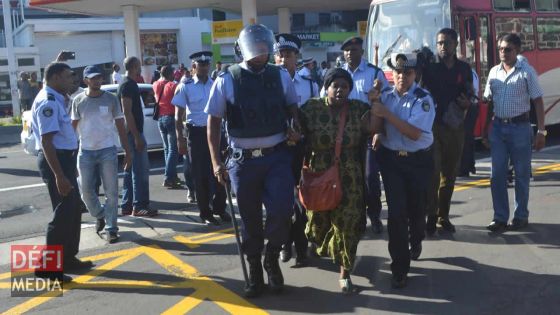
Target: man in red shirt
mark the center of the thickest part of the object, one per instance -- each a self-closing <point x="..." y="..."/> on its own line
<point x="179" y="73"/>
<point x="164" y="89"/>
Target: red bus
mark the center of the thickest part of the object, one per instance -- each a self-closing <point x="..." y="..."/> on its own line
<point x="405" y="25"/>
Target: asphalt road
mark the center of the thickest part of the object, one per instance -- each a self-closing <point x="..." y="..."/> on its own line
<point x="172" y="264"/>
<point x="23" y="197"/>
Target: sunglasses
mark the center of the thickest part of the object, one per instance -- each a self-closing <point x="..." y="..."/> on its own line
<point x="505" y="49"/>
<point x="444" y="43"/>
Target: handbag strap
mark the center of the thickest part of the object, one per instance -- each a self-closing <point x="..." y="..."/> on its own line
<point x="340" y="133"/>
<point x="161" y="93"/>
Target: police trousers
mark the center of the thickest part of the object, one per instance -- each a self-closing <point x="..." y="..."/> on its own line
<point x="406" y="181"/>
<point x="65" y="226"/>
<point x="297" y="230"/>
<point x="207" y="189"/>
<point x="373" y="185"/>
<point x="264" y="180"/>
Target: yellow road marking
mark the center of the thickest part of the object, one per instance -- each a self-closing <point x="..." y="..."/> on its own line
<point x="486" y="181"/>
<point x="204" y="287"/>
<point x="127" y="255"/>
<point x="196" y="241"/>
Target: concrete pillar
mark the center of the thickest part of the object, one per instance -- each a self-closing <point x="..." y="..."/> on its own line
<point x="12" y="65"/>
<point x="131" y="31"/>
<point x="284" y="23"/>
<point x="118" y="50"/>
<point x="249" y="11"/>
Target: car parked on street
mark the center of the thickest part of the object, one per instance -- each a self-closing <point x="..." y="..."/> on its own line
<point x="151" y="130"/>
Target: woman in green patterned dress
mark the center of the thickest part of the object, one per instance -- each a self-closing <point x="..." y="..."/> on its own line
<point x="336" y="233"/>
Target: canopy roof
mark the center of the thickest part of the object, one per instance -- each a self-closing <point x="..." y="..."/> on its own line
<point x="264" y="7"/>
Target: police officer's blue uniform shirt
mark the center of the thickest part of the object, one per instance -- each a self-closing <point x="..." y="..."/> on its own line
<point x="304" y="72"/>
<point x="416" y="108"/>
<point x="49" y="115"/>
<point x="222" y="92"/>
<point x="306" y="88"/>
<point x="363" y="77"/>
<point x="193" y="95"/>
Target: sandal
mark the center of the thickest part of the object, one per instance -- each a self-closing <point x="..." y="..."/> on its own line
<point x="346" y="286"/>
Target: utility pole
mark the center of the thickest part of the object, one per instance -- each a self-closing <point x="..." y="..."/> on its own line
<point x="12" y="66"/>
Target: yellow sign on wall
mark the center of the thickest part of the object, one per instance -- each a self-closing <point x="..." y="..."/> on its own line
<point x="226" y="32"/>
<point x="362" y="29"/>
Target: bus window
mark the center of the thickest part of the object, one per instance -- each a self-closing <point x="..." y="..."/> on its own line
<point x="469" y="28"/>
<point x="405" y="25"/>
<point x="519" y="25"/>
<point x="548" y="30"/>
<point x="547" y="5"/>
<point x="486" y="49"/>
<point x="512" y="5"/>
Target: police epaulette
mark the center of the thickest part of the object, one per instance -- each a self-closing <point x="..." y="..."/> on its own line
<point x="50" y="97"/>
<point x="189" y="81"/>
<point x="420" y="93"/>
<point x="307" y="78"/>
<point x="372" y="65"/>
<point x="386" y="89"/>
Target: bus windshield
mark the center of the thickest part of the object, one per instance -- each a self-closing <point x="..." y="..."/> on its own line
<point x="404" y="25"/>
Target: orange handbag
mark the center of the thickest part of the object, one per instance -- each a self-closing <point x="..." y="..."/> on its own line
<point x="322" y="191"/>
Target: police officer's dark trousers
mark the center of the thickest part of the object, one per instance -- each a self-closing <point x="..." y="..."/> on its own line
<point x="373" y="185"/>
<point x="64" y="228"/>
<point x="406" y="179"/>
<point x="467" y="160"/>
<point x="207" y="190"/>
<point x="264" y="180"/>
<point x="297" y="231"/>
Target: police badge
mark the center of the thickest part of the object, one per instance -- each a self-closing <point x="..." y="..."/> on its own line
<point x="47" y="111"/>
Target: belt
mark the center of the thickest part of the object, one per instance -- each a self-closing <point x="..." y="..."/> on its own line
<point x="193" y="126"/>
<point x="61" y="152"/>
<point x="517" y="119"/>
<point x="240" y="154"/>
<point x="402" y="153"/>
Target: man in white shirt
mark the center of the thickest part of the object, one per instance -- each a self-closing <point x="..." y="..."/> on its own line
<point x="116" y="77"/>
<point x="95" y="113"/>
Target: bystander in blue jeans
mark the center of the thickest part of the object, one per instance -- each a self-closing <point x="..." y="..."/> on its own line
<point x="136" y="182"/>
<point x="510" y="141"/>
<point x="106" y="162"/>
<point x="166" y="126"/>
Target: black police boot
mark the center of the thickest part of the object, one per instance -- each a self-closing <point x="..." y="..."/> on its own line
<point x="275" y="278"/>
<point x="256" y="281"/>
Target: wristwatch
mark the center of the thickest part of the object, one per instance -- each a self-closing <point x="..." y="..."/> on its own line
<point x="542" y="132"/>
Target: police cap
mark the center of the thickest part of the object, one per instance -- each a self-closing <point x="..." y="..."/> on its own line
<point x="400" y="61"/>
<point x="351" y="41"/>
<point x="307" y="61"/>
<point x="287" y="41"/>
<point x="201" y="57"/>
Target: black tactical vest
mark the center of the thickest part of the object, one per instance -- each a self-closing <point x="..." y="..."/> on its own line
<point x="260" y="104"/>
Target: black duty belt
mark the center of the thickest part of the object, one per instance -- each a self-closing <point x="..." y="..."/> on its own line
<point x="61" y="151"/>
<point x="513" y="120"/>
<point x="241" y="154"/>
<point x="406" y="153"/>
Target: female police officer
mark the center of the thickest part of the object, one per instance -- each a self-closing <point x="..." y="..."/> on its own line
<point x="406" y="162"/>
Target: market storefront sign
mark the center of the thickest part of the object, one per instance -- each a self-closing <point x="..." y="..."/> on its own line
<point x="309" y="37"/>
